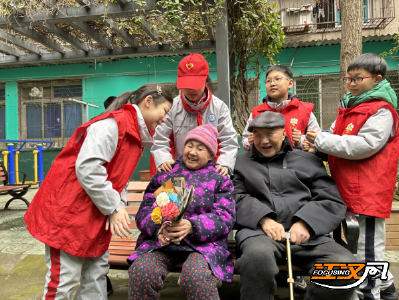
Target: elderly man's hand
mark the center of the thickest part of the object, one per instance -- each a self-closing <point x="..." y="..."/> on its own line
<point x="166" y="166"/>
<point x="178" y="230"/>
<point x="296" y="136"/>
<point x="299" y="233"/>
<point x="273" y="229"/>
<point x="311" y="135"/>
<point x="221" y="170"/>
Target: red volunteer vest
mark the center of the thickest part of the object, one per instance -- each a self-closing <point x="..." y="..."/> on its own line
<point x="296" y="113"/>
<point x="61" y="214"/>
<point x="366" y="186"/>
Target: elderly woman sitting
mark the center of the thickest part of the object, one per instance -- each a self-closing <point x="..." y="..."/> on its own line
<point x="199" y="240"/>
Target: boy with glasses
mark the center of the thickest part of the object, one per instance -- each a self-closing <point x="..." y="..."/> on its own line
<point x="298" y="115"/>
<point x="362" y="148"/>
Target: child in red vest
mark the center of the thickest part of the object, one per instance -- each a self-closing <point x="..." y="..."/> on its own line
<point x="194" y="106"/>
<point x="78" y="207"/>
<point x="298" y="115"/>
<point x="362" y="148"/>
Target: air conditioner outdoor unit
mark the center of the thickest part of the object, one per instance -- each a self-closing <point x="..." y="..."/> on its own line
<point x="297" y="16"/>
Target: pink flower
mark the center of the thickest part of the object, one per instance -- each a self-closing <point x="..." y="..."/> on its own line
<point x="170" y="210"/>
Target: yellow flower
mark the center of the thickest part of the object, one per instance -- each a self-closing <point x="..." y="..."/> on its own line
<point x="156" y="215"/>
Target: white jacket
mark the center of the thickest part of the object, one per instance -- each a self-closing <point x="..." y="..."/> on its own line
<point x="181" y="122"/>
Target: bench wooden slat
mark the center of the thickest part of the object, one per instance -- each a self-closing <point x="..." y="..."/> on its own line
<point x="134" y="197"/>
<point x="132" y="210"/>
<point x="137" y="186"/>
<point x="12" y="187"/>
<point x="2" y="173"/>
<point x="3" y="178"/>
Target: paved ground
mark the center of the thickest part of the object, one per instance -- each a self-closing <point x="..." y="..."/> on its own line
<point x="22" y="264"/>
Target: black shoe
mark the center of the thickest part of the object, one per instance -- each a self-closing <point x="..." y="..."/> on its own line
<point x="390" y="293"/>
<point x="300" y="285"/>
<point x="109" y="286"/>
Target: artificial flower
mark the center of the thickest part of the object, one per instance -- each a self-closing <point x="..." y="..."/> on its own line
<point x="156" y="215"/>
<point x="162" y="199"/>
<point x="173" y="198"/>
<point x="170" y="210"/>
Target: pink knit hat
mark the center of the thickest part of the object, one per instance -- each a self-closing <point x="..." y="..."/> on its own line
<point x="206" y="134"/>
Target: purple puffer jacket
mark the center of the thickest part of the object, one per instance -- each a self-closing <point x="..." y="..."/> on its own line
<point x="212" y="215"/>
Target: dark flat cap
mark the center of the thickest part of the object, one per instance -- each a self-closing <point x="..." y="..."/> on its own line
<point x="267" y="119"/>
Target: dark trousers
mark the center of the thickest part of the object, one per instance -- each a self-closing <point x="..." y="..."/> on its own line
<point x="148" y="272"/>
<point x="261" y="255"/>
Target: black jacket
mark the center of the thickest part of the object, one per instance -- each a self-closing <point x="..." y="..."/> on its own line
<point x="288" y="187"/>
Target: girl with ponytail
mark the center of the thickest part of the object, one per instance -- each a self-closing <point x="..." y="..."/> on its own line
<point x="81" y="203"/>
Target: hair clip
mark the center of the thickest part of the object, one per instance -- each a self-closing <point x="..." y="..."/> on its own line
<point x="159" y="90"/>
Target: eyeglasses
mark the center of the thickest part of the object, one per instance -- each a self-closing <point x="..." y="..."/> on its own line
<point x="356" y="80"/>
<point x="275" y="80"/>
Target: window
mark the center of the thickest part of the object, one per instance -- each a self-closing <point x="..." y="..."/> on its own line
<point x="367" y="14"/>
<point x="47" y="112"/>
<point x="323" y="91"/>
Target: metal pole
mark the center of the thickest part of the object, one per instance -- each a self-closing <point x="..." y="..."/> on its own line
<point x="35" y="152"/>
<point x="5" y="153"/>
<point x="11" y="164"/>
<point x="222" y="56"/>
<point x="40" y="163"/>
<point x="86" y="113"/>
<point x="290" y="278"/>
<point x="16" y="168"/>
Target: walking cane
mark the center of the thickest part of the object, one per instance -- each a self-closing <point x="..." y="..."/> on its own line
<point x="290" y="279"/>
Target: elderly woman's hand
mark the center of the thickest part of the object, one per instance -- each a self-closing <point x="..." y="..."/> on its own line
<point x="223" y="171"/>
<point x="161" y="235"/>
<point x="178" y="230"/>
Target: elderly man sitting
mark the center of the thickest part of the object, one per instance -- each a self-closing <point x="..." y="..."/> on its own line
<point x="199" y="241"/>
<point x="278" y="189"/>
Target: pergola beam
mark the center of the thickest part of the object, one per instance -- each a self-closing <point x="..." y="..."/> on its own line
<point x="131" y="41"/>
<point x="77" y="14"/>
<point x="20" y="43"/>
<point x="85" y="3"/>
<point x="34" y="35"/>
<point x="10" y="50"/>
<point x="86" y="29"/>
<point x="79" y="56"/>
<point x="121" y="2"/>
<point x="63" y="35"/>
<point x="205" y="19"/>
<point x="153" y="34"/>
<point x="180" y="29"/>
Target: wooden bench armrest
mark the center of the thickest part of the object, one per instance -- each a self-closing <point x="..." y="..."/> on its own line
<point x="350" y="226"/>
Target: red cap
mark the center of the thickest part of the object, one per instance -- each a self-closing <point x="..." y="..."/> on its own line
<point x="192" y="72"/>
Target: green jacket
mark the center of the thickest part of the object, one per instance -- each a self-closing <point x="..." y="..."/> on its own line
<point x="382" y="91"/>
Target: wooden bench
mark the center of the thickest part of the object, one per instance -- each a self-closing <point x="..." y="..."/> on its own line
<point x="120" y="249"/>
<point x="17" y="191"/>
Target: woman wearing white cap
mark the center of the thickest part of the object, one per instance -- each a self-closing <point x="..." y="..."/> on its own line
<point x="194" y="106"/>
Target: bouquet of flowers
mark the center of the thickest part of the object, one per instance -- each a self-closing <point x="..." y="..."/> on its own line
<point x="172" y="200"/>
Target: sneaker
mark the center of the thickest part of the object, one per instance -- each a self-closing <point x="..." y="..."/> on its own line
<point x="390" y="293"/>
<point x="300" y="285"/>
